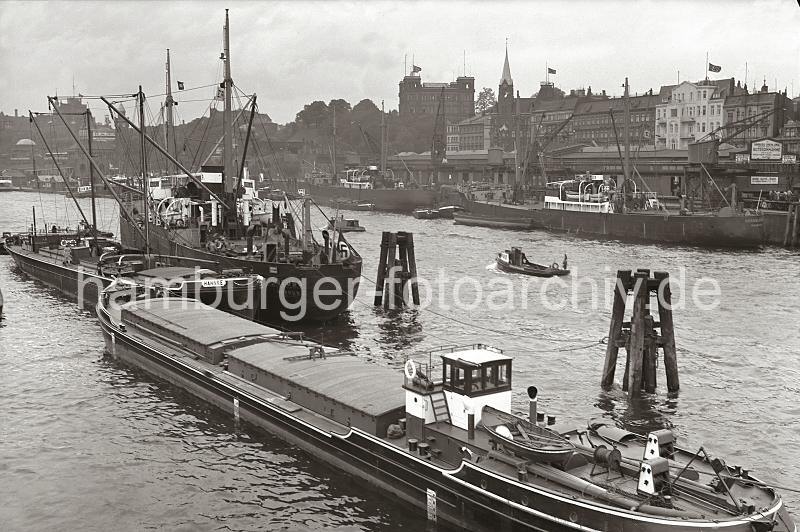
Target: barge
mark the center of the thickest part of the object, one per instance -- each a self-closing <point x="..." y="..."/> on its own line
<point x="421" y="440"/>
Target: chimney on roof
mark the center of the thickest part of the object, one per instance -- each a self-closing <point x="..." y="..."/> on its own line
<point x="589" y="91"/>
<point x="16" y="113"/>
<point x="604" y="92"/>
<point x="764" y="87"/>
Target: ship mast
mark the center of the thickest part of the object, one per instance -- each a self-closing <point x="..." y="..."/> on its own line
<point x="91" y="174"/>
<point x="169" y="102"/>
<point x="333" y="156"/>
<point x="384" y="139"/>
<point x="228" y="170"/>
<point x="626" y="164"/>
<point x="145" y="180"/>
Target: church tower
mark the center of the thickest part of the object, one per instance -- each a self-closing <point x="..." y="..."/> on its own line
<point x="505" y="93"/>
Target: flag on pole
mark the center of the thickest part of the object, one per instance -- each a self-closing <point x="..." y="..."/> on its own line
<point x="415" y="69"/>
<point x="714" y="68"/>
<point x="180" y="85"/>
<point x="551" y="70"/>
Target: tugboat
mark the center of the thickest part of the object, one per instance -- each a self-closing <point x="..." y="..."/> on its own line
<point x="418" y="441"/>
<point x="345" y="225"/>
<point x="515" y="261"/>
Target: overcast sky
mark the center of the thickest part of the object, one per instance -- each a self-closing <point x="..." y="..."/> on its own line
<point x="291" y="53"/>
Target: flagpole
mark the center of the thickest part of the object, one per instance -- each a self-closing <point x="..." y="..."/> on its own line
<point x="706" y="65"/>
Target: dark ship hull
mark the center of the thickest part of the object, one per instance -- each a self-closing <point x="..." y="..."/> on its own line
<point x="692" y="230"/>
<point x="289" y="290"/>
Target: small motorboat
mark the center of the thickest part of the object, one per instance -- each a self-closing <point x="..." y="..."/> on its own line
<point x="426" y="214"/>
<point x="345" y="225"/>
<point x="515" y="261"/>
<point x="525" y="439"/>
<point x="362" y="207"/>
<point x="448" y="211"/>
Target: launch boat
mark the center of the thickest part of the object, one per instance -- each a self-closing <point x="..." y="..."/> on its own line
<point x="515" y="261"/>
<point x="417" y="441"/>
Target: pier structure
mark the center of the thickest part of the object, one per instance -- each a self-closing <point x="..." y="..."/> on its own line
<point x="397" y="269"/>
<point x="792" y="223"/>
<point x="642" y="335"/>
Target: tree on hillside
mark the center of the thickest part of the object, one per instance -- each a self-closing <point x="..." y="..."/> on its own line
<point x="486" y="100"/>
<point x="313" y="114"/>
<point x="342" y="106"/>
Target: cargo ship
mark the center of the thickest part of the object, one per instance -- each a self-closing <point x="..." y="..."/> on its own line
<point x="215" y="216"/>
<point x="584" y="207"/>
<point x="443" y="439"/>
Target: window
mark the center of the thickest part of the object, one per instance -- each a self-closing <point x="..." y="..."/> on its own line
<point x="704" y="110"/>
<point x="703" y="127"/>
<point x="704" y="95"/>
<point x="691" y="96"/>
<point x="673" y="113"/>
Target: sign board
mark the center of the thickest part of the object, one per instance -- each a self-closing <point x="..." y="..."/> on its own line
<point x="742" y="158"/>
<point x="764" y="180"/>
<point x="789" y="159"/>
<point x="766" y="150"/>
<point x="207" y="283"/>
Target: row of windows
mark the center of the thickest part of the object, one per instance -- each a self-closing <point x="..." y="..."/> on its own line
<point x="692" y="110"/>
<point x="435" y="97"/>
<point x="680" y="96"/>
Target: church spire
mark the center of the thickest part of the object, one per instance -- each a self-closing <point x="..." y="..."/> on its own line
<point x="506" y="70"/>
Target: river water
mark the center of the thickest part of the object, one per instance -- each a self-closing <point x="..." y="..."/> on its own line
<point x="88" y="444"/>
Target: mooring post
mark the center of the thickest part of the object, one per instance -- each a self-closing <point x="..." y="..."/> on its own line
<point x="667" y="330"/>
<point x="412" y="267"/>
<point x="617" y="315"/>
<point x="649" y="365"/>
<point x="796" y="218"/>
<point x="402" y="248"/>
<point x="382" y="268"/>
<point x="636" y="352"/>
<point x="788" y="228"/>
<point x="391" y="268"/>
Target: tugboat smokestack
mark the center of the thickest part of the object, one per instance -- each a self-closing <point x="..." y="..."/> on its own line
<point x="533" y="404"/>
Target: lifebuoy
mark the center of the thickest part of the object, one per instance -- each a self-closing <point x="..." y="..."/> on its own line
<point x="180" y="223"/>
<point x="410" y="369"/>
<point x="554" y="265"/>
<point x="218" y="245"/>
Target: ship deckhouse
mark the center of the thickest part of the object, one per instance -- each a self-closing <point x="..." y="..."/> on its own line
<point x="468" y="379"/>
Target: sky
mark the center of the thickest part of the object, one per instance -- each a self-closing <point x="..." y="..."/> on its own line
<point x="292" y="53"/>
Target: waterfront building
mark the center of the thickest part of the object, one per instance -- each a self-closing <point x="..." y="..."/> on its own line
<point x="770" y="105"/>
<point x="418" y="98"/>
<point x="691" y="111"/>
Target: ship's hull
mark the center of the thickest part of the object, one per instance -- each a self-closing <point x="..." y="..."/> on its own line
<point x="85" y="285"/>
<point x="692" y="230"/>
<point x="492" y="221"/>
<point x="75" y="282"/>
<point x="403" y="200"/>
<point x="469" y="496"/>
<point x="291" y="293"/>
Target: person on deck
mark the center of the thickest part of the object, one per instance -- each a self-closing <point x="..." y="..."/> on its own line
<point x="564" y="264"/>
